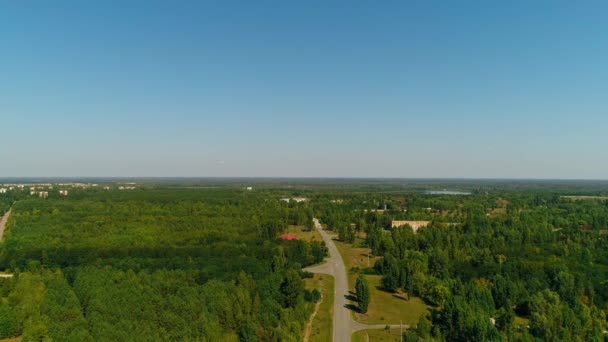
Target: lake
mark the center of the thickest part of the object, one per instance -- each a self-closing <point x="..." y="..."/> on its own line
<point x="446" y="192"/>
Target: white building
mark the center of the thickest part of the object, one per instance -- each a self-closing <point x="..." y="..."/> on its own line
<point x="43" y="194"/>
<point x="2" y="190"/>
<point x="63" y="192"/>
<point x="414" y="224"/>
<point x="296" y="199"/>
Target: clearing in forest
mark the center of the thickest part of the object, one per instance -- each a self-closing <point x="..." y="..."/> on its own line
<point x="320" y="328"/>
<point x="385" y="307"/>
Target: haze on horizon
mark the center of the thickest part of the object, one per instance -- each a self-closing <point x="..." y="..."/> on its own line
<point x="304" y="89"/>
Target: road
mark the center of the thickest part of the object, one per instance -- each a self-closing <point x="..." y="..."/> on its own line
<point x="3" y="223"/>
<point x="344" y="325"/>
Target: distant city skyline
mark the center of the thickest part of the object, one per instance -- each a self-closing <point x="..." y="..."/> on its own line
<point x="422" y="89"/>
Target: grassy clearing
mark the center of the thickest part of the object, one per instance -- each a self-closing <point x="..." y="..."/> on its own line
<point x="388" y="308"/>
<point x="356" y="256"/>
<point x="377" y="335"/>
<point x="384" y="307"/>
<point x="497" y="212"/>
<point x="11" y="339"/>
<point x="301" y="234"/>
<point x="521" y="322"/>
<point x="322" y="323"/>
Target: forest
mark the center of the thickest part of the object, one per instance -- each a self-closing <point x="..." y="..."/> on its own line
<point x="505" y="253"/>
<point x="155" y="265"/>
<point x="500" y="261"/>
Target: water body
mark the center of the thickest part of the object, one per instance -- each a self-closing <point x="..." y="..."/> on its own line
<point x="446" y="192"/>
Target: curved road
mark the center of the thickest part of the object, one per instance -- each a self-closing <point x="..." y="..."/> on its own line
<point x="3" y="223"/>
<point x="344" y="325"/>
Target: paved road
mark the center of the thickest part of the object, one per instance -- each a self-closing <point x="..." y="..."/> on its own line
<point x="3" y="223"/>
<point x="344" y="325"/>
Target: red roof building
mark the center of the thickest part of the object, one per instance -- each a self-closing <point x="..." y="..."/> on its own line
<point x="288" y="237"/>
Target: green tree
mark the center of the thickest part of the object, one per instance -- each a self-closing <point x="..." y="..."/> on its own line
<point x="547" y="317"/>
<point x="292" y="288"/>
<point x="424" y="327"/>
<point x="8" y="322"/>
<point x="362" y="292"/>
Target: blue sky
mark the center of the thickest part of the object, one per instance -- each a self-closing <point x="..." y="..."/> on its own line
<point x="512" y="89"/>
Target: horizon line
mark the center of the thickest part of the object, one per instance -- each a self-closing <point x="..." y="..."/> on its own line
<point x="307" y="177"/>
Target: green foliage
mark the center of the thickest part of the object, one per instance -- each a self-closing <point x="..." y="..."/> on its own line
<point x="155" y="265"/>
<point x="463" y="321"/>
<point x="8" y="322"/>
<point x="292" y="288"/>
<point x="206" y="264"/>
<point x="423" y="329"/>
<point x="494" y="251"/>
<point x="363" y="293"/>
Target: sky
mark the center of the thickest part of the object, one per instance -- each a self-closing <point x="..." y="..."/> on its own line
<point x="430" y="89"/>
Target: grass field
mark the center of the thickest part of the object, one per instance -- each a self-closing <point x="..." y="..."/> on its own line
<point x="322" y="323"/>
<point x="384" y="307"/>
<point x="11" y="339"/>
<point x="387" y="308"/>
<point x="521" y="322"/>
<point x="301" y="234"/>
<point x="356" y="256"/>
<point x="377" y="335"/>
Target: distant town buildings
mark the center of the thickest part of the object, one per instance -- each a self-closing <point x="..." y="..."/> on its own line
<point x="249" y="188"/>
<point x="41" y="189"/>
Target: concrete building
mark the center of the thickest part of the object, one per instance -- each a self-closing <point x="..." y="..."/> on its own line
<point x="63" y="192"/>
<point x="295" y="199"/>
<point x="414" y="224"/>
<point x="2" y="190"/>
<point x="43" y="194"/>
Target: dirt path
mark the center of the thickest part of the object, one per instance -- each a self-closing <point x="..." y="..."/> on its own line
<point x="312" y="318"/>
<point x="344" y="325"/>
<point x="3" y="223"/>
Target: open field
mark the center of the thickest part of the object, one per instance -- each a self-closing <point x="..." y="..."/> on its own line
<point x="11" y="339"/>
<point x="300" y="233"/>
<point x="356" y="256"/>
<point x="387" y="308"/>
<point x="377" y="335"/>
<point x="521" y="322"/>
<point x="321" y="328"/>
<point x="497" y="211"/>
